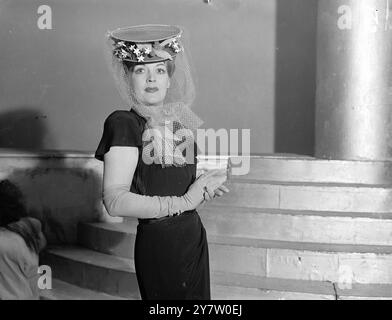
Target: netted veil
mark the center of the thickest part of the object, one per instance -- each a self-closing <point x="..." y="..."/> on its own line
<point x="170" y="128"/>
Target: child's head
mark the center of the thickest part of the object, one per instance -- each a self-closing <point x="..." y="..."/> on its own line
<point x="12" y="206"/>
<point x="12" y="210"/>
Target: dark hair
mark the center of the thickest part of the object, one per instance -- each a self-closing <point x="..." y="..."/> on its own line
<point x="170" y="65"/>
<point x="11" y="203"/>
<point x="12" y="209"/>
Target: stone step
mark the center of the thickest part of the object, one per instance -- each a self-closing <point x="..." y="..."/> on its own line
<point x="277" y="259"/>
<point x="286" y="225"/>
<point x="116" y="276"/>
<point x="315" y="170"/>
<point x="364" y="298"/>
<point x="220" y="292"/>
<point x="93" y="270"/>
<point x="318" y="213"/>
<point x="324" y="288"/>
<point x="307" y="196"/>
<point x="118" y="239"/>
<point x="66" y="291"/>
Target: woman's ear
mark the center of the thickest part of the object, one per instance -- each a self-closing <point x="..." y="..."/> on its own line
<point x="168" y="84"/>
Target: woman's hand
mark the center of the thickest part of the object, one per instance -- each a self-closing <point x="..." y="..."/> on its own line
<point x="206" y="187"/>
<point x="218" y="192"/>
<point x="218" y="189"/>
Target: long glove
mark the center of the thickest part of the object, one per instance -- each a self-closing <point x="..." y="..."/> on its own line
<point x="119" y="201"/>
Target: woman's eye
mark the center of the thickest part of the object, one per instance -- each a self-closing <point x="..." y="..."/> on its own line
<point x="140" y="70"/>
<point x="161" y="70"/>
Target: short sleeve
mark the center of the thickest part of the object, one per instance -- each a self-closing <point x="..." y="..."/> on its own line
<point x="121" y="128"/>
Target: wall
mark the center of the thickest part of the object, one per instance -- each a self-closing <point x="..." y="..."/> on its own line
<point x="60" y="189"/>
<point x="254" y="62"/>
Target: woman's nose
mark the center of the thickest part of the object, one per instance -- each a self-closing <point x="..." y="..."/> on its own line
<point x="150" y="77"/>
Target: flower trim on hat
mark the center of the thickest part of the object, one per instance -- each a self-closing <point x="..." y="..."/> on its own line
<point x="124" y="50"/>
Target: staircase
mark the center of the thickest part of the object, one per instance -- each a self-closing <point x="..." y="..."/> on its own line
<point x="293" y="228"/>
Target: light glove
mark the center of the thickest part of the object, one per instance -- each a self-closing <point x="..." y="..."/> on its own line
<point x="119" y="201"/>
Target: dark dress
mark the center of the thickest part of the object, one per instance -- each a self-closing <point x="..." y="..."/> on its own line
<point x="171" y="253"/>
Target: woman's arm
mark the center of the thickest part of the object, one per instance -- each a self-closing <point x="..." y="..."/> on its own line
<point x="119" y="167"/>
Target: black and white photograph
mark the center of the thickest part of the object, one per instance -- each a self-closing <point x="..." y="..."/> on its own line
<point x="211" y="151"/>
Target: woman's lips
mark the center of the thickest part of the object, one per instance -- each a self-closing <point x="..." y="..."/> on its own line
<point x="151" y="89"/>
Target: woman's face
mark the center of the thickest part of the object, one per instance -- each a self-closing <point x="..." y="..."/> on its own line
<point x="150" y="83"/>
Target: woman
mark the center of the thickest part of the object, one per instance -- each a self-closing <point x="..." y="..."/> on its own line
<point x="21" y="240"/>
<point x="149" y="156"/>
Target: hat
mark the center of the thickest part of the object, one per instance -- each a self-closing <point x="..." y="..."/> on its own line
<point x="146" y="43"/>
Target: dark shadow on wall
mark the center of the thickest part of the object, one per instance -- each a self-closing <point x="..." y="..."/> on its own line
<point x="47" y="182"/>
<point x="295" y="76"/>
<point x="23" y="128"/>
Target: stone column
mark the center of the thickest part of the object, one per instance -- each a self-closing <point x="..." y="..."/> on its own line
<point x="354" y="80"/>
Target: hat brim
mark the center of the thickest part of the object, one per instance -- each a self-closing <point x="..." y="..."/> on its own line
<point x="146" y="33"/>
